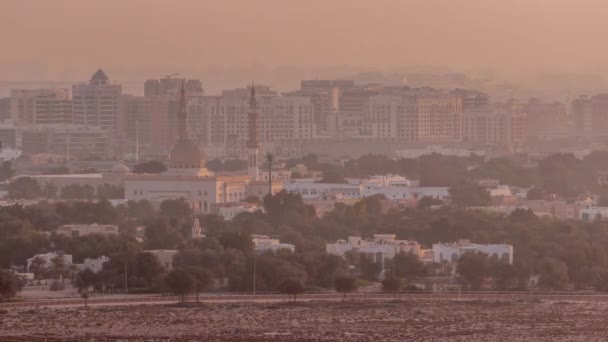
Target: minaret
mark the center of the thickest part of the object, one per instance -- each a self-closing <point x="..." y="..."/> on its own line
<point x="253" y="149"/>
<point x="182" y="116"/>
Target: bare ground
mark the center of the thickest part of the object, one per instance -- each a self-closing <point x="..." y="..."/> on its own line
<point x="405" y="320"/>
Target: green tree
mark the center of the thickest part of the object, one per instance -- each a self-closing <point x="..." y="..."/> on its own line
<point x="473" y="268"/>
<point x="202" y="280"/>
<point x="152" y="166"/>
<point x="553" y="274"/>
<point x="332" y="175"/>
<point x="392" y="284"/>
<point x="50" y="190"/>
<point x="409" y="266"/>
<point x="148" y="267"/>
<point x="292" y="287"/>
<point x="10" y="285"/>
<point x="24" y="188"/>
<point x="58" y="267"/>
<point x="180" y="282"/>
<point x="38" y="267"/>
<point x="108" y="191"/>
<point x="536" y="193"/>
<point x="469" y="195"/>
<point x="84" y="280"/>
<point x="345" y="284"/>
<point x="369" y="268"/>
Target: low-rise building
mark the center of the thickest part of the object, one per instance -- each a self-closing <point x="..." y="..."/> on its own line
<point x="48" y="257"/>
<point x="500" y="191"/>
<point x="451" y="252"/>
<point x="93" y="264"/>
<point x="78" y="230"/>
<point x="164" y="256"/>
<point x="379" y="248"/>
<point x="593" y="214"/>
<point x="263" y="243"/>
<point x="228" y="211"/>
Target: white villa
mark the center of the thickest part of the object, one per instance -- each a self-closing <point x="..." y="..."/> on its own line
<point x="380" y="247"/>
<point x="451" y="252"/>
<point x="263" y="243"/>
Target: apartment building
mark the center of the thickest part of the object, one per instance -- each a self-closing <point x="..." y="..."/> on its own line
<point x="96" y="103"/>
<point x="48" y="103"/>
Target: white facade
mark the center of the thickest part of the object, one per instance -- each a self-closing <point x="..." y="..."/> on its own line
<point x="593" y="214"/>
<point x="406" y="193"/>
<point x="263" y="243"/>
<point x="451" y="252"/>
<point x="380" y="247"/>
<point x="164" y="256"/>
<point x="391" y="189"/>
<point x="47" y="257"/>
<point x="201" y="192"/>
<point x="78" y="230"/>
<point x="309" y="189"/>
<point x="228" y="211"/>
<point x="95" y="265"/>
<point x="501" y="191"/>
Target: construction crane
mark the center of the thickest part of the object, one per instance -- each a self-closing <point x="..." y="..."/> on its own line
<point x="172" y="75"/>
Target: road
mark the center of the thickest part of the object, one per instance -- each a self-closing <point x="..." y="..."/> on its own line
<point x="332" y="296"/>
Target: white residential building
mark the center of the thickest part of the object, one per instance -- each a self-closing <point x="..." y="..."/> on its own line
<point x="95" y="265"/>
<point x="593" y="214"/>
<point x="380" y="247"/>
<point x="392" y="189"/>
<point x="451" y="252"/>
<point x="78" y="230"/>
<point x="263" y="243"/>
<point x="48" y="257"/>
<point x="164" y="256"/>
<point x="310" y="189"/>
<point x="228" y="211"/>
<point x="500" y="191"/>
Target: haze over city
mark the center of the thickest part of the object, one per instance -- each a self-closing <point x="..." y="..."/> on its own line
<point x="278" y="42"/>
<point x="310" y="171"/>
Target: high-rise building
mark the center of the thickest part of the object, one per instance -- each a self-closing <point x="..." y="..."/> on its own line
<point x="487" y="126"/>
<point x="220" y="123"/>
<point x="52" y="110"/>
<point x="23" y="104"/>
<point x="447" y="81"/>
<point x="5" y="109"/>
<point x="545" y="120"/>
<point x="136" y="112"/>
<point x="72" y="141"/>
<point x="171" y="86"/>
<point x="97" y="103"/>
<point x="590" y="116"/>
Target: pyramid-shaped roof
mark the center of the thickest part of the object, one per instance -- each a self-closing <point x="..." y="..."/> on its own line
<point x="100" y="76"/>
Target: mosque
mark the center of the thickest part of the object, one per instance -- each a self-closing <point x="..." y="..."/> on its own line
<point x="188" y="178"/>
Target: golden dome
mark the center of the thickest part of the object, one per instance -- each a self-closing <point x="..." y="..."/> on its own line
<point x="186" y="155"/>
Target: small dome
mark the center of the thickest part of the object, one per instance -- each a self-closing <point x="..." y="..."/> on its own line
<point x="120" y="168"/>
<point x="186" y="155"/>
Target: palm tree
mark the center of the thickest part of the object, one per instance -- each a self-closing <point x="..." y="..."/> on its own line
<point x="269" y="159"/>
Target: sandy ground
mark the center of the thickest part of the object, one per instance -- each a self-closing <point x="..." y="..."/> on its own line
<point x="405" y="320"/>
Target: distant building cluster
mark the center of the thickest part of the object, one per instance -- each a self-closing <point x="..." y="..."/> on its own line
<point x="383" y="247"/>
<point x="97" y="119"/>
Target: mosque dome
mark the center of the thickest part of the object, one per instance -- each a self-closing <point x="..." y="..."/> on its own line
<point x="120" y="168"/>
<point x="186" y="155"/>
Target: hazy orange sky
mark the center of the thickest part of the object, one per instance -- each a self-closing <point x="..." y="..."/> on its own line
<point x="70" y="38"/>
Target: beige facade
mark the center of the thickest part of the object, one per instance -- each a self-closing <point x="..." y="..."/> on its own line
<point x="79" y="230"/>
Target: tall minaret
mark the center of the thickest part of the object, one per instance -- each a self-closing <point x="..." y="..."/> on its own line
<point x="253" y="149"/>
<point x="182" y="116"/>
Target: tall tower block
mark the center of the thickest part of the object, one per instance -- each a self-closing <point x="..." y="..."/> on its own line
<point x="253" y="148"/>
